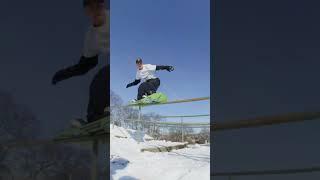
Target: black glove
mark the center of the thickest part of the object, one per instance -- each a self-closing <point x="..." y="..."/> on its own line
<point x="58" y="76"/>
<point x="161" y="67"/>
<point x="137" y="81"/>
<point x="128" y="85"/>
<point x="170" y="68"/>
<point x="81" y="68"/>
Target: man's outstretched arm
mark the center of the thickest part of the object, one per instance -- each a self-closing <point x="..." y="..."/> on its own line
<point x="168" y="68"/>
<point x="137" y="81"/>
<point x="84" y="65"/>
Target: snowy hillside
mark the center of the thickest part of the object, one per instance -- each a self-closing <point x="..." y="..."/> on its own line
<point x="129" y="163"/>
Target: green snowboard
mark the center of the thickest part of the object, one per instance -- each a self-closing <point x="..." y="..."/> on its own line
<point x="152" y="99"/>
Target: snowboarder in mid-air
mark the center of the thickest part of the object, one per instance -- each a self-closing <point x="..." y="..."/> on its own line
<point x="96" y="43"/>
<point x="146" y="74"/>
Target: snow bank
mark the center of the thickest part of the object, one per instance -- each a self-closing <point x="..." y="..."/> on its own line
<point x="127" y="162"/>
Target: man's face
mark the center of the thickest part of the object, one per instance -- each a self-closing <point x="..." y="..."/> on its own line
<point x="139" y="66"/>
<point x="96" y="12"/>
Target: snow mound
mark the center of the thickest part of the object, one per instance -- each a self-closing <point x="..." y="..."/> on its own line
<point x="134" y="134"/>
<point x="128" y="162"/>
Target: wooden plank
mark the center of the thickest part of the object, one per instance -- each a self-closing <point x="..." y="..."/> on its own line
<point x="165" y="148"/>
<point x="120" y="136"/>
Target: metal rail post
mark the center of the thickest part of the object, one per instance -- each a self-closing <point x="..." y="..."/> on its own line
<point x="182" y="130"/>
<point x="95" y="151"/>
<point x="139" y="117"/>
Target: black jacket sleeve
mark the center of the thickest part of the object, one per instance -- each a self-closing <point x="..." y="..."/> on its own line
<point x="137" y="81"/>
<point x="160" y="67"/>
<point x="84" y="65"/>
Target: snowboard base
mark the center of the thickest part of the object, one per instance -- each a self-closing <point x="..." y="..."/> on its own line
<point x="152" y="99"/>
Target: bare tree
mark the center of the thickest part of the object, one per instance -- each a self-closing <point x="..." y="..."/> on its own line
<point x="18" y="122"/>
<point x="205" y="134"/>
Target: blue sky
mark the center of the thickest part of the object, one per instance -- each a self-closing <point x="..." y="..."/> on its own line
<point x="163" y="33"/>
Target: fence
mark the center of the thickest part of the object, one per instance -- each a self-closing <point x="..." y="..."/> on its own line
<point x="182" y="125"/>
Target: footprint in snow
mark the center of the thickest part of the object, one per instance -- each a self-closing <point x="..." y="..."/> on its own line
<point x="119" y="161"/>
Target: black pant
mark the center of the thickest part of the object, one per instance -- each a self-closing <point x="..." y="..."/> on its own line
<point x="149" y="87"/>
<point x="99" y="95"/>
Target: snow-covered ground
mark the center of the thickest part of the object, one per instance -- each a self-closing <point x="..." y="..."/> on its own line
<point x="129" y="163"/>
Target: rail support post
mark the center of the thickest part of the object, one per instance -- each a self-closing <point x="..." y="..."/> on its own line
<point x="95" y="153"/>
<point x="140" y="118"/>
<point x="182" y="130"/>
